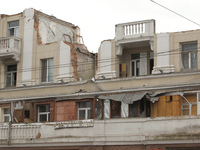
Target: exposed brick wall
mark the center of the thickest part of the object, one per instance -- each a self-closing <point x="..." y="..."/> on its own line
<point x="66" y="110"/>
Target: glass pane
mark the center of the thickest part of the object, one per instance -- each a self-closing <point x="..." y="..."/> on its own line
<point x="81" y="114"/>
<point x="135" y="56"/>
<point x="151" y="55"/>
<point x="8" y="79"/>
<point x="48" y="117"/>
<point x="6" y="118"/>
<point x="133" y="68"/>
<point x="194" y="60"/>
<point x="11" y="32"/>
<point x="185" y="60"/>
<point x="42" y="117"/>
<point x="133" y="109"/>
<point x="44" y="108"/>
<point x="14" y="79"/>
<point x="6" y="111"/>
<point x="44" y="71"/>
<point x="16" y="32"/>
<point x="138" y="68"/>
<point x="189" y="47"/>
<point x="50" y="70"/>
<point x="88" y="114"/>
<point x="12" y="68"/>
<point x="84" y="105"/>
<point x="13" y="23"/>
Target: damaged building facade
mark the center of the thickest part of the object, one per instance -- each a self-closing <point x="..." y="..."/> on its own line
<point x="141" y="91"/>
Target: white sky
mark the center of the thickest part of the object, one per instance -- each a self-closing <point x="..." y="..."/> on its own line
<point x="97" y="18"/>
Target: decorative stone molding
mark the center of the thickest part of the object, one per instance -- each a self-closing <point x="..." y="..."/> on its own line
<point x="151" y="44"/>
<point x="119" y="50"/>
<point x="26" y="83"/>
<point x="106" y="75"/>
<point x="65" y="79"/>
<point x="163" y="69"/>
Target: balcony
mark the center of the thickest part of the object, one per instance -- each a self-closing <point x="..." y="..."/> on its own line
<point x="134" y="34"/>
<point x="161" y="130"/>
<point x="10" y="47"/>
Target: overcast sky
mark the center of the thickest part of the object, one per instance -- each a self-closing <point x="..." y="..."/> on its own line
<point x="97" y="18"/>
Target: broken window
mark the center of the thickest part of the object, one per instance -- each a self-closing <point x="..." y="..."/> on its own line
<point x="189" y="55"/>
<point x="135" y="64"/>
<point x="133" y="109"/>
<point x="47" y="70"/>
<point x="84" y="110"/>
<point x="43" y="113"/>
<point x="140" y="108"/>
<point x="11" y="75"/>
<point x="13" y="28"/>
<point x="115" y="109"/>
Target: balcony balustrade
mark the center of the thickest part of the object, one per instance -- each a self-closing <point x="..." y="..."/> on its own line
<point x="112" y="131"/>
<point x="10" y="47"/>
<point x="134" y="34"/>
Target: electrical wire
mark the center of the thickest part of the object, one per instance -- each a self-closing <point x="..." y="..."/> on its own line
<point x="175" y="13"/>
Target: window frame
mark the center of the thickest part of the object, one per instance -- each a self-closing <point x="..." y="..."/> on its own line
<point x="46" y="70"/>
<point x="137" y="60"/>
<point x="6" y="115"/>
<point x="15" y="28"/>
<point x="151" y="62"/>
<point x="13" y="82"/>
<point x="87" y="116"/>
<point x="189" y="59"/>
<point x="44" y="113"/>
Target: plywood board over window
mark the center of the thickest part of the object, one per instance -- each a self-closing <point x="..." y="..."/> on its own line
<point x="167" y="106"/>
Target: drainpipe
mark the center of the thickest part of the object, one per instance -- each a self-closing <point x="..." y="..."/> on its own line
<point x="9" y="133"/>
<point x="190" y="105"/>
<point x="10" y="123"/>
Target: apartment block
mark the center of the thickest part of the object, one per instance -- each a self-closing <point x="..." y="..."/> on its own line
<point x="140" y="91"/>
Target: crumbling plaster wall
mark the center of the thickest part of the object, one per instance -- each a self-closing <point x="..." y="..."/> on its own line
<point x="50" y="31"/>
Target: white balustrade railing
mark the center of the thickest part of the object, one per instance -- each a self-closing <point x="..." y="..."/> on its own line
<point x="135" y="29"/>
<point x="19" y="131"/>
<point x="10" y="43"/>
<point x="25" y="131"/>
<point x="4" y="128"/>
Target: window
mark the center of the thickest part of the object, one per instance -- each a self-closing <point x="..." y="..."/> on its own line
<point x="135" y="64"/>
<point x="115" y="109"/>
<point x="6" y="115"/>
<point x="84" y="110"/>
<point x="151" y="62"/>
<point x="43" y="113"/>
<point x="47" y="70"/>
<point x="122" y="70"/>
<point x="13" y="28"/>
<point x="11" y="75"/>
<point x="189" y="55"/>
<point x="140" y="108"/>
